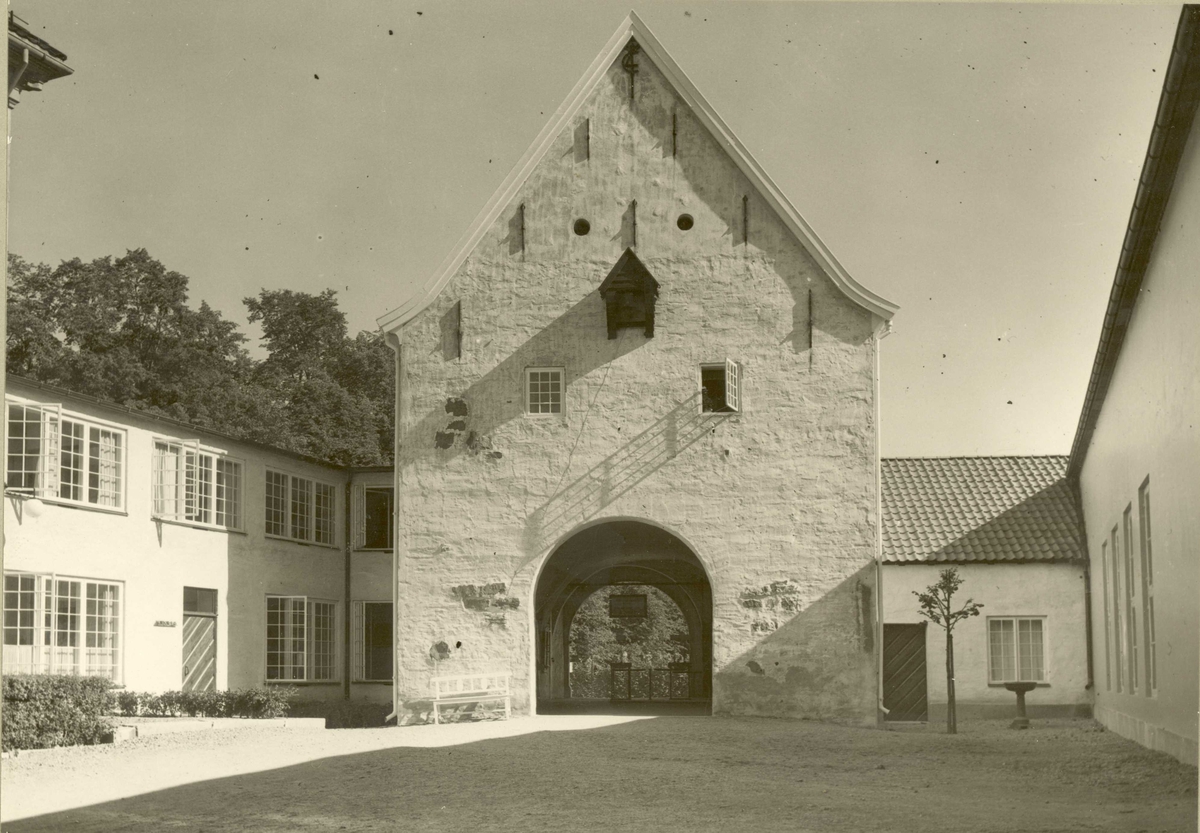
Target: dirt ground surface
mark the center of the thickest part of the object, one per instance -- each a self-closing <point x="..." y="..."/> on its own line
<point x="608" y="773"/>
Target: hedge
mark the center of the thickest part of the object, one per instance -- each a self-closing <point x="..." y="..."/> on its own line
<point x="267" y="702"/>
<point x="44" y="710"/>
<point x="344" y="714"/>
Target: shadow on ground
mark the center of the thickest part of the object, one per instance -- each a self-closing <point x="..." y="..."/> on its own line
<point x="679" y="773"/>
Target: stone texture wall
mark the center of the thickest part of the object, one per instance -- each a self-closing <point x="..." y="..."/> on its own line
<point x="778" y="502"/>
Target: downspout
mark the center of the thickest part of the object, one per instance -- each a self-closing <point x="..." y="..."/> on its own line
<point x="1087" y="590"/>
<point x="881" y="333"/>
<point x="398" y="538"/>
<point x="348" y="542"/>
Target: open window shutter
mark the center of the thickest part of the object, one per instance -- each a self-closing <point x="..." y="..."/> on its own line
<point x="191" y="478"/>
<point x="358" y="500"/>
<point x="733" y="386"/>
<point x="47" y="482"/>
<point x="356" y="643"/>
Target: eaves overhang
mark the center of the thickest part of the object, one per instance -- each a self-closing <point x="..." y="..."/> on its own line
<point x="1172" y="126"/>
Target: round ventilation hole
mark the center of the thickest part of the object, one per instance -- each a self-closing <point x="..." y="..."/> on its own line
<point x="582" y="227"/>
<point x="685" y="222"/>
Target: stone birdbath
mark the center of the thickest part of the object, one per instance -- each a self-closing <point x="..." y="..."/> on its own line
<point x="1022" y="722"/>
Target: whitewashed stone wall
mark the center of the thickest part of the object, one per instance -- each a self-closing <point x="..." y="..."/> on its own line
<point x="778" y="502"/>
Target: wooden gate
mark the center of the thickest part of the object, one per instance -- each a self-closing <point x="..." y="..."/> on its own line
<point x="199" y="639"/>
<point x="905" y="690"/>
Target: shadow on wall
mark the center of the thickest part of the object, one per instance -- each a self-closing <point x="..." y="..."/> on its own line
<point x="466" y="421"/>
<point x="819" y="665"/>
<point x="617" y="473"/>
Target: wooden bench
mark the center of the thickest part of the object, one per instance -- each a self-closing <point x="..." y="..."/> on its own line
<point x="470" y="688"/>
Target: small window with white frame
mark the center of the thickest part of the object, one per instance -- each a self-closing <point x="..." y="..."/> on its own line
<point x="544" y="390"/>
<point x="63" y="457"/>
<point x="301" y="639"/>
<point x="372" y="641"/>
<point x="195" y="485"/>
<point x="299" y="509"/>
<point x="62" y="625"/>
<point x="721" y="387"/>
<point x="1016" y="649"/>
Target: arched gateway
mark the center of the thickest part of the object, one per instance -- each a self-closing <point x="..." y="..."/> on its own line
<point x="629" y="553"/>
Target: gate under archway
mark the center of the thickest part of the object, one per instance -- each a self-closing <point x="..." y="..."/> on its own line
<point x="617" y="553"/>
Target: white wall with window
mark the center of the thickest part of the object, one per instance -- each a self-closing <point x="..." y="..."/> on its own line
<point x="302" y="640"/>
<point x="56" y="624"/>
<point x="111" y="514"/>
<point x="1031" y="629"/>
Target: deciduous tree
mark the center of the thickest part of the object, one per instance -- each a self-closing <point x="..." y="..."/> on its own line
<point x="937" y="605"/>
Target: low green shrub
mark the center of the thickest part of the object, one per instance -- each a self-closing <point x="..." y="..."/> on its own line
<point x="267" y="702"/>
<point x="45" y="710"/>
<point x="344" y="714"/>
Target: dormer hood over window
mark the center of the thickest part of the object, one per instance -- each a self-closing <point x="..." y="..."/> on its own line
<point x="629" y="293"/>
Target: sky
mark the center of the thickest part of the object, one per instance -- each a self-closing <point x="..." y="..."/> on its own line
<point x="975" y="164"/>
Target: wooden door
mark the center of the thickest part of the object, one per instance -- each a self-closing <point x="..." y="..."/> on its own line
<point x="199" y="639"/>
<point x="905" y="689"/>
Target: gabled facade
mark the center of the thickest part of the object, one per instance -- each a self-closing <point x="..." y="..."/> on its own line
<point x="1137" y="449"/>
<point x="163" y="556"/>
<point x="704" y="421"/>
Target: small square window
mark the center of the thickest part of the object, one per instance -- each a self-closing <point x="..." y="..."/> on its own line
<point x="544" y="390"/>
<point x="720" y="387"/>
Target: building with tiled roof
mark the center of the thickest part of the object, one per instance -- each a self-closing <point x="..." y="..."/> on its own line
<point x="1011" y="527"/>
<point x="979" y="509"/>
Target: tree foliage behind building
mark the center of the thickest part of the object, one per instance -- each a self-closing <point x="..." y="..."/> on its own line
<point x="121" y="329"/>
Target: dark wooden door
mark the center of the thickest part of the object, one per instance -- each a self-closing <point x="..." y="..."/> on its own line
<point x="905" y="690"/>
<point x="199" y="639"/>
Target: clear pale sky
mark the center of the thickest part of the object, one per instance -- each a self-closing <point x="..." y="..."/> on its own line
<point x="974" y="163"/>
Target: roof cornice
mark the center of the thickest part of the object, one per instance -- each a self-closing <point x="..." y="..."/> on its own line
<point x="1172" y="125"/>
<point x="633" y="28"/>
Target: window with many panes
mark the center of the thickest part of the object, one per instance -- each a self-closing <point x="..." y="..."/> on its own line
<point x="544" y="390"/>
<point x="301" y="639"/>
<point x="373" y="508"/>
<point x="372" y="641"/>
<point x="1016" y="649"/>
<point x="59" y="456"/>
<point x="299" y="509"/>
<point x="61" y="625"/>
<point x="195" y="485"/>
<point x="1147" y="564"/>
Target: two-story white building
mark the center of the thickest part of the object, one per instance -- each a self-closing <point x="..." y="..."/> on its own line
<point x="165" y="557"/>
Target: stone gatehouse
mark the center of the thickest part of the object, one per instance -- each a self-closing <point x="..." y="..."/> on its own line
<point x="641" y="366"/>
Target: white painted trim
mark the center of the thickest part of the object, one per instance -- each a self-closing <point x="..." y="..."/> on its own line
<point x="633" y="27"/>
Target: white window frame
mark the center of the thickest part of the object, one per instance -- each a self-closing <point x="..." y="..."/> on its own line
<point x="292" y="485"/>
<point x="45" y="654"/>
<point x="48" y="482"/>
<point x="185" y="484"/>
<point x="562" y="392"/>
<point x="308" y="656"/>
<point x="359" y="641"/>
<point x="1016" y="632"/>
<point x="733" y="386"/>
<point x="358" y="499"/>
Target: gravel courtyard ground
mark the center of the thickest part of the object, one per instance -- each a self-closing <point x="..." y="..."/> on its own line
<point x="606" y="773"/>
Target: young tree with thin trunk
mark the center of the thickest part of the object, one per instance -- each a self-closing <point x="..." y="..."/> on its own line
<point x="937" y="606"/>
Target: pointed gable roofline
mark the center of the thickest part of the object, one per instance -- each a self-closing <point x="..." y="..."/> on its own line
<point x="633" y="28"/>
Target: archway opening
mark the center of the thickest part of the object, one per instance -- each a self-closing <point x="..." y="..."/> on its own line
<point x="623" y="614"/>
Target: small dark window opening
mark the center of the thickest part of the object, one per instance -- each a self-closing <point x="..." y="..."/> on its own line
<point x="684" y="222"/>
<point x="712" y="381"/>
<point x="582" y="227"/>
<point x="377" y="506"/>
<point x="629" y="293"/>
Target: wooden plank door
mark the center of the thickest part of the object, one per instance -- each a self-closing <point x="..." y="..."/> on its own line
<point x="199" y="639"/>
<point x="905" y="688"/>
